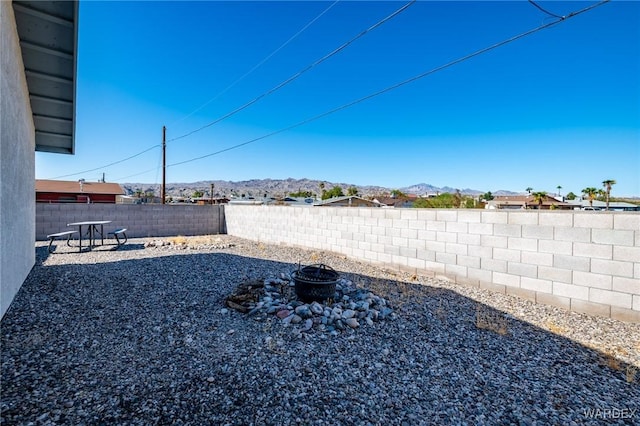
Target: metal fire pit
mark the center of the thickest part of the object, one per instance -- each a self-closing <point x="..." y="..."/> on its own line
<point x="315" y="282"/>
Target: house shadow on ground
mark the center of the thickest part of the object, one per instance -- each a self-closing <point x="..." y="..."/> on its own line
<point x="148" y="341"/>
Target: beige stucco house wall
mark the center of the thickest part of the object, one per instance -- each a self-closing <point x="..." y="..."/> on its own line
<point x="17" y="164"/>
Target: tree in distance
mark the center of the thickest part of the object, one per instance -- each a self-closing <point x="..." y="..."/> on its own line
<point x="396" y="193"/>
<point x="445" y="201"/>
<point x="539" y="198"/>
<point x="607" y="186"/>
<point x="301" y="194"/>
<point x="590" y="193"/>
<point x="487" y="196"/>
<point x="336" y="191"/>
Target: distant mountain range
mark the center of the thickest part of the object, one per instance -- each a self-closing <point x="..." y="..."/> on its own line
<point x="282" y="187"/>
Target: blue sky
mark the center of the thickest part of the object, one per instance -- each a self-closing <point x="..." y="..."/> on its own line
<point x="558" y="107"/>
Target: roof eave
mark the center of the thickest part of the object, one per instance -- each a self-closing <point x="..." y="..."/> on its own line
<point x="48" y="33"/>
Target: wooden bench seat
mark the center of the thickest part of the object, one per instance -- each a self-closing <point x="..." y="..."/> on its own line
<point x="117" y="234"/>
<point x="52" y="237"/>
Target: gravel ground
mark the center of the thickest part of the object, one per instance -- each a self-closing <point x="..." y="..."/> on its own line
<point x="141" y="336"/>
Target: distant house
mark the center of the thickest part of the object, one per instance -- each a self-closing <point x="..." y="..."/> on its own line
<point x="514" y="202"/>
<point x="347" y="201"/>
<point x="397" y="202"/>
<point x="247" y="201"/>
<point x="61" y="191"/>
<point x="203" y="201"/>
<point x="292" y="201"/>
<point x="578" y="204"/>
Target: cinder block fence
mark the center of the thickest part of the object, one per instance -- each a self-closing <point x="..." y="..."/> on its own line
<point x="141" y="220"/>
<point x="581" y="261"/>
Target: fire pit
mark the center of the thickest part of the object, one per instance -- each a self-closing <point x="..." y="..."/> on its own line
<point x="315" y="282"/>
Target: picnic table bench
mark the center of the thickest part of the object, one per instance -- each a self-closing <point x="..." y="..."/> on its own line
<point x="117" y="233"/>
<point x="52" y="237"/>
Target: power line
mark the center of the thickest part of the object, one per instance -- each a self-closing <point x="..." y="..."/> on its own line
<point x="402" y="83"/>
<point x="290" y="79"/>
<point x="218" y="95"/>
<point x="158" y="167"/>
<point x="299" y="73"/>
<point x="259" y="64"/>
<point x="545" y="11"/>
<point x="108" y="165"/>
<point x="135" y="174"/>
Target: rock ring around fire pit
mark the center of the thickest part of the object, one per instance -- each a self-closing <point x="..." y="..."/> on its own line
<point x="315" y="283"/>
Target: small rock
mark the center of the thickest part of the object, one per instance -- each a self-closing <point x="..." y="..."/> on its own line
<point x="254" y="311"/>
<point x="304" y="311"/>
<point x="316" y="308"/>
<point x="283" y="313"/>
<point x="352" y="322"/>
<point x="308" y="324"/>
<point x="349" y="313"/>
<point x="287" y="320"/>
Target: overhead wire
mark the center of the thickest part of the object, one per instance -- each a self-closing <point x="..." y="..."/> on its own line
<point x="135" y="174"/>
<point x="158" y="168"/>
<point x="299" y="73"/>
<point x="108" y="165"/>
<point x="402" y="83"/>
<point x="544" y="10"/>
<point x="259" y="64"/>
<point x="264" y="94"/>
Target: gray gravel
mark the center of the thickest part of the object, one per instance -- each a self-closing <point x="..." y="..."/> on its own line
<point x="141" y="336"/>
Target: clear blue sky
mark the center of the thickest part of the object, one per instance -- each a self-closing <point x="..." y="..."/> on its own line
<point x="559" y="107"/>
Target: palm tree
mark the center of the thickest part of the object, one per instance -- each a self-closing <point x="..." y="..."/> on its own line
<point x="539" y="198"/>
<point x="591" y="194"/>
<point x="607" y="186"/>
<point x="529" y="189"/>
<point x="559" y="188"/>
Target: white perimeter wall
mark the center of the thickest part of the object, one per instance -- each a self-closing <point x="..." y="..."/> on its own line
<point x="582" y="261"/>
<point x="17" y="165"/>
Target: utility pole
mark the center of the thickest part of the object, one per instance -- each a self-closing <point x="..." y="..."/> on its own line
<point x="211" y="194"/>
<point x="164" y="163"/>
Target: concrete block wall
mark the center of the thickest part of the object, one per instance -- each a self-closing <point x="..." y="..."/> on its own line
<point x="582" y="261"/>
<point x="141" y="220"/>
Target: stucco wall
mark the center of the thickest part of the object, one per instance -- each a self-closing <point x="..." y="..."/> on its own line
<point x="17" y="165"/>
<point x="141" y="220"/>
<point x="582" y="261"/>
